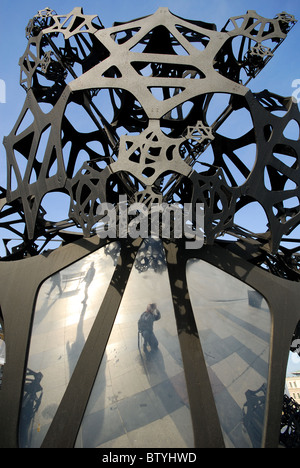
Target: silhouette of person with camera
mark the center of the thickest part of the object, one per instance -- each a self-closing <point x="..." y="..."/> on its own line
<point x="145" y="326"/>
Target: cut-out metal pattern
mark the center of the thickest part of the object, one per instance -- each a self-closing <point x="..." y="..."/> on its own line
<point x="147" y="109"/>
<point x="290" y="423"/>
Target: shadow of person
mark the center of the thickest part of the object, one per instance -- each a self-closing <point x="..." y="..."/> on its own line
<point x="56" y="283"/>
<point x="155" y="366"/>
<point x="88" y="280"/>
<point x="74" y="349"/>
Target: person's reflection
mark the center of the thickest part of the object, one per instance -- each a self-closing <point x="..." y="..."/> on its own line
<point x="55" y="283"/>
<point x="88" y="279"/>
<point x="145" y="327"/>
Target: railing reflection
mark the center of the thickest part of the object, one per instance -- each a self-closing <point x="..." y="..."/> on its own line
<point x="253" y="414"/>
<point x="290" y="423"/>
<point x="33" y="393"/>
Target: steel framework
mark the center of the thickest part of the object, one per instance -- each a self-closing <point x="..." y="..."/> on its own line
<point x="139" y="109"/>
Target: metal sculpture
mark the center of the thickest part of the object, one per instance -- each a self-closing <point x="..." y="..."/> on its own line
<point x="162" y="75"/>
<point x="290" y="428"/>
<point x="135" y="110"/>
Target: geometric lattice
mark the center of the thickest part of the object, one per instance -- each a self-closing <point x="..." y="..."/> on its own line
<point x="147" y="109"/>
<point x="154" y="110"/>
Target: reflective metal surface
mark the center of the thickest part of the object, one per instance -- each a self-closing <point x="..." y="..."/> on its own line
<point x="66" y="307"/>
<point x="234" y="324"/>
<point x="158" y="110"/>
<point x="140" y="397"/>
<point x="2" y="353"/>
<point x="2" y="348"/>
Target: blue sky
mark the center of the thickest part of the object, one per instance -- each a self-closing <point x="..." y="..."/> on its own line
<point x="278" y="76"/>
